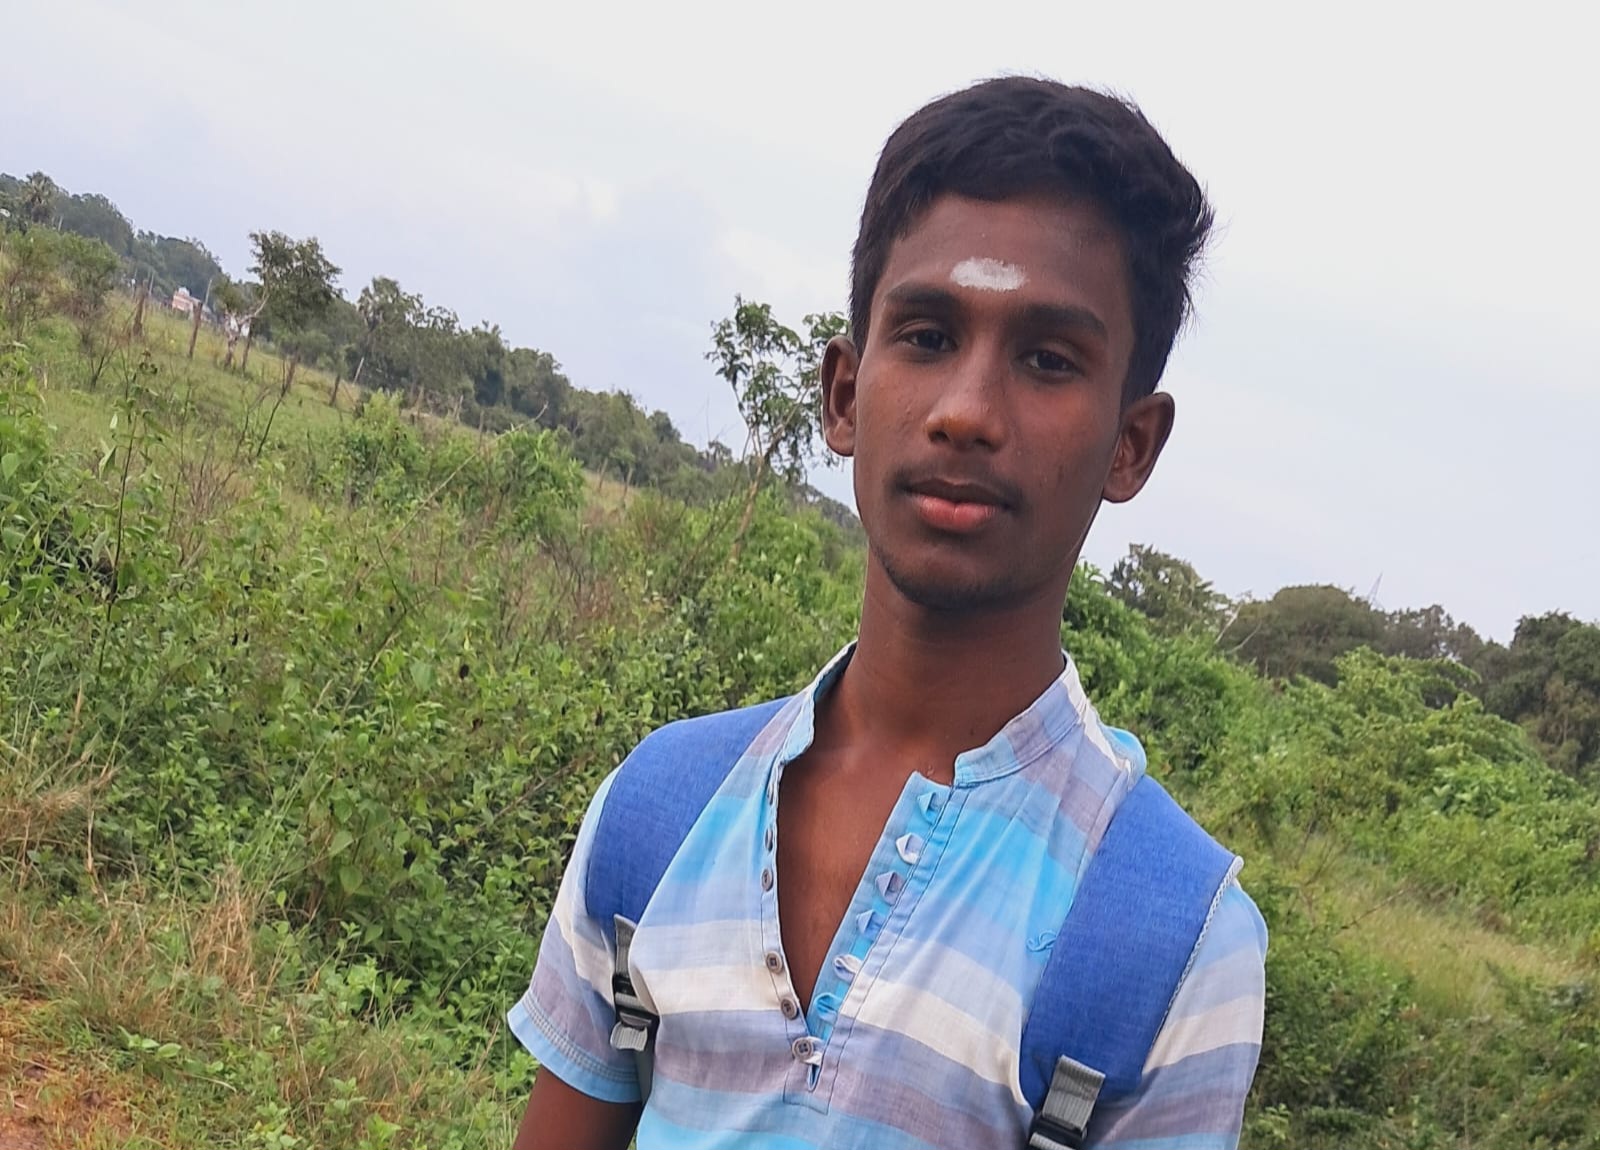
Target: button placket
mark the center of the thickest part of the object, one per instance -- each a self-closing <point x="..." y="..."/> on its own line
<point x="889" y="885"/>
<point x="772" y="957"/>
<point x="909" y="847"/>
<point x="807" y="1049"/>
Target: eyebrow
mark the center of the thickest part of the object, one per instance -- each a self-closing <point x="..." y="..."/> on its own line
<point x="926" y="297"/>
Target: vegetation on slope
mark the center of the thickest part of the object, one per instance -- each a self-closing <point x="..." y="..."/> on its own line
<point x="300" y="703"/>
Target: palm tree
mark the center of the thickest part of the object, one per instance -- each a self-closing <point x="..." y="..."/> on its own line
<point x="39" y="198"/>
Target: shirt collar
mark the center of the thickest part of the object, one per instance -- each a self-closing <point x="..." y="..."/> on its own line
<point x="1045" y="726"/>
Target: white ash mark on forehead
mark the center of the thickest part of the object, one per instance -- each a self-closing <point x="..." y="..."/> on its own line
<point x="988" y="275"/>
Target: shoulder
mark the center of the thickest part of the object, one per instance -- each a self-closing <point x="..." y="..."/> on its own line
<point x="658" y="794"/>
<point x="1221" y="1001"/>
<point x="719" y="737"/>
<point x="1197" y="1077"/>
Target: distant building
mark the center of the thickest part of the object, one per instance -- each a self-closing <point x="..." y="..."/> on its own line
<point x="183" y="301"/>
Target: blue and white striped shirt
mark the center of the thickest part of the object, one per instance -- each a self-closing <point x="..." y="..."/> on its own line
<point x="913" y="1033"/>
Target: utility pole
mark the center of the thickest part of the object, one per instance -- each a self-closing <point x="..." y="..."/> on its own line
<point x="138" y="307"/>
<point x="194" y="330"/>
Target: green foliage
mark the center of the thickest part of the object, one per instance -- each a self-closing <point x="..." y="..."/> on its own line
<point x="1548" y="681"/>
<point x="89" y="268"/>
<point x="392" y="340"/>
<point x="1167" y="591"/>
<point x="366" y="676"/>
<point x="38" y="198"/>
<point x="97" y="218"/>
<point x="170" y="263"/>
<point x="1304" y="630"/>
<point x="89" y="272"/>
<point x="297" y="282"/>
<point x="773" y="372"/>
<point x="521" y="484"/>
<point x="387" y="711"/>
<point x="1447" y="796"/>
<point x="26" y="277"/>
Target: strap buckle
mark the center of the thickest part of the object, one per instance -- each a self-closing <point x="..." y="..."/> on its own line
<point x="636" y="1024"/>
<point x="1062" y="1122"/>
<point x="1048" y="1134"/>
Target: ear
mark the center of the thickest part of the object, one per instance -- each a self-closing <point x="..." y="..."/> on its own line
<point x="840" y="365"/>
<point x="1146" y="424"/>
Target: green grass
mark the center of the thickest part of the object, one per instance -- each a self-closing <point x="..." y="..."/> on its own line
<point x="156" y="1021"/>
<point x="201" y="1012"/>
<point x="1451" y="959"/>
<point x="221" y="399"/>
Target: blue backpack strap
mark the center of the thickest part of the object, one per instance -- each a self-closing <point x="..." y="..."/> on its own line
<point x="657" y="795"/>
<point x="1126" y="943"/>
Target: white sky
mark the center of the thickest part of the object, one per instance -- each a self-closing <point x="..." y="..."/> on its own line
<point x="1391" y="373"/>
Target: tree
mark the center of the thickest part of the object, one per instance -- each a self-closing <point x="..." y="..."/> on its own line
<point x="389" y="316"/>
<point x="1168" y="591"/>
<point x="297" y="288"/>
<point x="1548" y="682"/>
<point x="1430" y="633"/>
<point x="25" y="278"/>
<point x="535" y="387"/>
<point x="174" y="263"/>
<point x="1304" y="630"/>
<point x="239" y="305"/>
<point x="39" y="194"/>
<point x="773" y="371"/>
<point x="89" y="271"/>
<point x="95" y="216"/>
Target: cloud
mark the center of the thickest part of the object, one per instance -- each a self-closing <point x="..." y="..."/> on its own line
<point x="775" y="272"/>
<point x="1392" y="369"/>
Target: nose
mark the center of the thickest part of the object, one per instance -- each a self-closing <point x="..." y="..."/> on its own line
<point x="969" y="411"/>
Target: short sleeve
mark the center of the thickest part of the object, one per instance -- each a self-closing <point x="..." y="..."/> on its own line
<point x="565" y="1017"/>
<point x="1193" y="1090"/>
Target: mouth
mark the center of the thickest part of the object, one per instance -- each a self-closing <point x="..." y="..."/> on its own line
<point x="955" y="507"/>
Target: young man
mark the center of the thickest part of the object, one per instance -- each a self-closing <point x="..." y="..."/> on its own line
<point x="845" y="948"/>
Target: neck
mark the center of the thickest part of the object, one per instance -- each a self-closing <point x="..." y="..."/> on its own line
<point x="935" y="683"/>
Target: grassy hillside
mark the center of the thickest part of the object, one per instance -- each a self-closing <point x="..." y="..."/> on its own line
<point x="297" y="720"/>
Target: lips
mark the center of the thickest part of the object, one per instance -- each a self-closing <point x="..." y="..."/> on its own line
<point x="956" y="507"/>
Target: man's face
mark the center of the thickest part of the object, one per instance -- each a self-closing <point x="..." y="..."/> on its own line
<point x="985" y="412"/>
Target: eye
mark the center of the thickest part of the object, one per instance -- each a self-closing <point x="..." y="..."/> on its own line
<point x="1051" y="362"/>
<point x="927" y="339"/>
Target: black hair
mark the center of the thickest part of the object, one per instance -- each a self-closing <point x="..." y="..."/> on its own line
<point x="1013" y="136"/>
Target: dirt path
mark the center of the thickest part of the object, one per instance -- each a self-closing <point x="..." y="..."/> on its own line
<point x="46" y="1103"/>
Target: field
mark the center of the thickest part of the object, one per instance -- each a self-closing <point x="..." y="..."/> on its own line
<point x="300" y="703"/>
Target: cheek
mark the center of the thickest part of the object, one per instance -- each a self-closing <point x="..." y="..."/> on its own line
<point x="1083" y="452"/>
<point x="883" y="415"/>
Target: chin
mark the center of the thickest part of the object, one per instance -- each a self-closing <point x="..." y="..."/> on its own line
<point x="936" y="586"/>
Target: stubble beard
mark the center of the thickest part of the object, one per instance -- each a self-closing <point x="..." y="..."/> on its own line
<point x="948" y="595"/>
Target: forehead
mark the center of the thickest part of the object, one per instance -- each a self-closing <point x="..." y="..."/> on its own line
<point x="1043" y="249"/>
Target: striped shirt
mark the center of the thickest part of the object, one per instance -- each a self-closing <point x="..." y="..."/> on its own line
<point x="913" y="1033"/>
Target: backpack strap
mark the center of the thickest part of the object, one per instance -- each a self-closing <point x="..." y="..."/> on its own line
<point x="657" y="796"/>
<point x="1123" y="949"/>
<point x="655" y="799"/>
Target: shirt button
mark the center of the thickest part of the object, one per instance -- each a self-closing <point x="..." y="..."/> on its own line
<point x="766" y="878"/>
<point x="774" y="962"/>
<point x="772" y="837"/>
<point x="791" y="1009"/>
<point x="807" y="1050"/>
